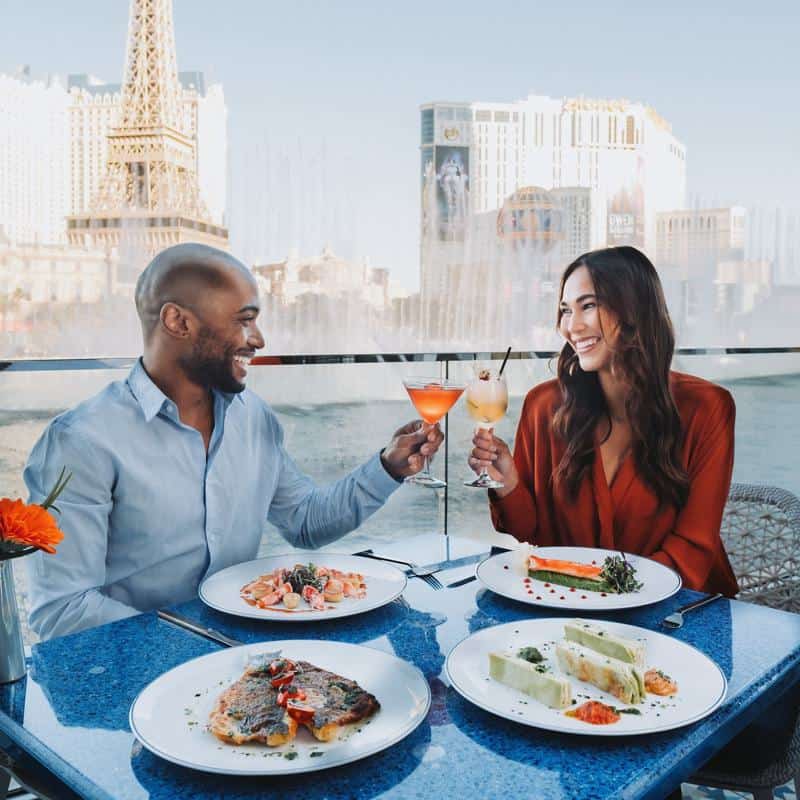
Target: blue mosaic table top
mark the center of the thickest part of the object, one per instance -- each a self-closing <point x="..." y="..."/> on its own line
<point x="71" y="712"/>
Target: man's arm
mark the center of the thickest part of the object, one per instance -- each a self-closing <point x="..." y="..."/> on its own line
<point x="309" y="517"/>
<point x="66" y="588"/>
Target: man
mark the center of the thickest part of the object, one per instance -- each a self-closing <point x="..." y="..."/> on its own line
<point x="175" y="469"/>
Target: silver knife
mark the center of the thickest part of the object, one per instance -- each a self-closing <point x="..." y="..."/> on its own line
<point x="194" y="627"/>
<point x="438" y="566"/>
<point x="463" y="581"/>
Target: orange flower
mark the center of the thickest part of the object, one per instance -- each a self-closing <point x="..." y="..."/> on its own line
<point x="28" y="525"/>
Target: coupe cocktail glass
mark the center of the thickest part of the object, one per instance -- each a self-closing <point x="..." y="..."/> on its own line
<point x="433" y="398"/>
<point x="487" y="402"/>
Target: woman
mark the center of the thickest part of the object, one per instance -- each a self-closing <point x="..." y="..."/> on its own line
<point x="618" y="451"/>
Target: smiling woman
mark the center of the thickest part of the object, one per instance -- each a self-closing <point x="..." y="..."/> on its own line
<point x="619" y="451"/>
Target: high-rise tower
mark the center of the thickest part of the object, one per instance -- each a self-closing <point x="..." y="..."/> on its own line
<point x="148" y="198"/>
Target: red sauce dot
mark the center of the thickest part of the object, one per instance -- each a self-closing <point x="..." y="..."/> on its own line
<point x="572" y="589"/>
<point x="546" y="585"/>
<point x="583" y="597"/>
<point x="562" y="597"/>
<point x="538" y="597"/>
<point x="505" y="566"/>
<point x="530" y="591"/>
<point x="527" y="580"/>
<point x="594" y="562"/>
<point x="603" y="594"/>
<point x="552" y="591"/>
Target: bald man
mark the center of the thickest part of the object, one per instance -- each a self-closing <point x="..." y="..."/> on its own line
<point x="176" y="468"/>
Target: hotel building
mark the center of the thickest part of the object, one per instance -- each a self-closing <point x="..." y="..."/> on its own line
<point x="34" y="158"/>
<point x="624" y="152"/>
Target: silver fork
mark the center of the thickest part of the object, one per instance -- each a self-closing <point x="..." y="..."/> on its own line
<point x="675" y="619"/>
<point x="428" y="577"/>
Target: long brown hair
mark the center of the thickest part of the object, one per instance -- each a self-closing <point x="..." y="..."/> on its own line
<point x="627" y="284"/>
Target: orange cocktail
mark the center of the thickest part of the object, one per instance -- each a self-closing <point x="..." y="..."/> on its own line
<point x="433" y="398"/>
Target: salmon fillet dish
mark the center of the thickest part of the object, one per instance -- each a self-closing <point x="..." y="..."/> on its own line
<point x="617" y="575"/>
<point x="274" y="696"/>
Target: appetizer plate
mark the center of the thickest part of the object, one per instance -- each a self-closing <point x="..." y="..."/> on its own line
<point x="169" y="716"/>
<point x="701" y="683"/>
<point x="221" y="590"/>
<point x="505" y="574"/>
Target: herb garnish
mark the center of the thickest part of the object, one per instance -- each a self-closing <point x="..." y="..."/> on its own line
<point x="302" y="576"/>
<point x="620" y="575"/>
<point x="530" y="654"/>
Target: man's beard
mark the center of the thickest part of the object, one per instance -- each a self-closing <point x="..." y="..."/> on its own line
<point x="210" y="365"/>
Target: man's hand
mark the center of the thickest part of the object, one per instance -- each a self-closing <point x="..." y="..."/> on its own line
<point x="405" y="454"/>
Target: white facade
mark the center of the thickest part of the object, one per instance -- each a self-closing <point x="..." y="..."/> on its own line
<point x="576" y="203"/>
<point x="94" y="110"/>
<point x="328" y="275"/>
<point x="690" y="238"/>
<point x="624" y="152"/>
<point x="34" y="159"/>
<point x="37" y="273"/>
<point x="212" y="150"/>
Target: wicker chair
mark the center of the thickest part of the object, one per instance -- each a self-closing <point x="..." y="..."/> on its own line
<point x="761" y="532"/>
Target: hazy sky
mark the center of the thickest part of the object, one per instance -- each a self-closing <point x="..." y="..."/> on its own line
<point x="323" y="97"/>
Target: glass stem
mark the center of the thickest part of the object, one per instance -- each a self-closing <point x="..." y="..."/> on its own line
<point x="426" y="470"/>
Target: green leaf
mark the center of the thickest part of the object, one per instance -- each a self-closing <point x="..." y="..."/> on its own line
<point x="59" y="487"/>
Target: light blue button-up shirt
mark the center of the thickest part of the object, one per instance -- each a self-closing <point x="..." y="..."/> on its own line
<point x="147" y="514"/>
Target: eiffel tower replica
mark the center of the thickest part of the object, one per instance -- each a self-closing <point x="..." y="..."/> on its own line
<point x="149" y="197"/>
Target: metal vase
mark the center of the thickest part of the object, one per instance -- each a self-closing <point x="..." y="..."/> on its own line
<point x="12" y="652"/>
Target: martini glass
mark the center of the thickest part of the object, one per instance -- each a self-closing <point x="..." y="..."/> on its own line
<point x="433" y="398"/>
<point x="487" y="403"/>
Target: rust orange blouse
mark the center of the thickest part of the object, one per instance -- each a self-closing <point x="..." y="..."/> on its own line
<point x="625" y="515"/>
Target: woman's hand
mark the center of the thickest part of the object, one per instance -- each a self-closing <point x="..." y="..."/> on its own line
<point x="492" y="453"/>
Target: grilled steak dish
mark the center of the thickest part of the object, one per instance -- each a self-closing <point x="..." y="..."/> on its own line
<point x="248" y="711"/>
<point x="273" y="697"/>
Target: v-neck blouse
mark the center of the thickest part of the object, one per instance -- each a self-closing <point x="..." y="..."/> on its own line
<point x="625" y="515"/>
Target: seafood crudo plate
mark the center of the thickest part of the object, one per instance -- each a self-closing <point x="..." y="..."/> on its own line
<point x="304" y="586"/>
<point x="290" y="588"/>
<point x="578" y="578"/>
<point x="280" y="707"/>
<point x="586" y="677"/>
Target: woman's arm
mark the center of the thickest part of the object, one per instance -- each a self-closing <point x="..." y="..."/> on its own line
<point x="694" y="545"/>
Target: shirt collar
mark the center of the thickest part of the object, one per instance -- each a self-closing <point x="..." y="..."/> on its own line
<point x="152" y="399"/>
<point x="148" y="395"/>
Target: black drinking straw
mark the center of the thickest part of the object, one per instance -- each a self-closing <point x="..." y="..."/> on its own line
<point x="503" y="365"/>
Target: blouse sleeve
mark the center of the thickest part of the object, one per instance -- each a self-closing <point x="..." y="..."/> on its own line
<point x="516" y="512"/>
<point x="694" y="544"/>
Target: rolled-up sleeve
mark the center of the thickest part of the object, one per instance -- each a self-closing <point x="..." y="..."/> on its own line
<point x="309" y="516"/>
<point x="64" y="588"/>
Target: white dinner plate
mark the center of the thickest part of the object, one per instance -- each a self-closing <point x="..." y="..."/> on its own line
<point x="505" y="574"/>
<point x="222" y="590"/>
<point x="701" y="684"/>
<point x="169" y="716"/>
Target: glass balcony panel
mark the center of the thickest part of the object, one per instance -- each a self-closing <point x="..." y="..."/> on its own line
<point x="335" y="416"/>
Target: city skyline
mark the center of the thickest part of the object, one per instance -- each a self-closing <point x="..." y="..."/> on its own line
<point x="304" y="108"/>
